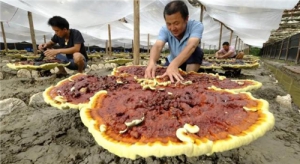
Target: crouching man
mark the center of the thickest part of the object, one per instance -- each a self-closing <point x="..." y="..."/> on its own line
<point x="228" y="52"/>
<point x="71" y="46"/>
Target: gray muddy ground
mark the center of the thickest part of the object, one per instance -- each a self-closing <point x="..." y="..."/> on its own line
<point x="43" y="134"/>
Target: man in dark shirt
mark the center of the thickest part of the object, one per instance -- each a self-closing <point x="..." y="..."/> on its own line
<point x="71" y="46"/>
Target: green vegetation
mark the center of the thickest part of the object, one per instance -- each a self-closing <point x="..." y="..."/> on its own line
<point x="254" y="51"/>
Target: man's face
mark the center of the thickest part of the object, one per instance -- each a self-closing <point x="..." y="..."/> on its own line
<point x="176" y="24"/>
<point x="226" y="48"/>
<point x="60" y="32"/>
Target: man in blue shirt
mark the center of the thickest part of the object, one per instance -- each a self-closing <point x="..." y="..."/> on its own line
<point x="183" y="37"/>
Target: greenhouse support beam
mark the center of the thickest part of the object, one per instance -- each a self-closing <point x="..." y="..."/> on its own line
<point x="201" y="13"/>
<point x="32" y="33"/>
<point x="223" y="24"/>
<point x="239" y="45"/>
<point x="298" y="55"/>
<point x="109" y="41"/>
<point x="220" y="37"/>
<point x="236" y="39"/>
<point x="106" y="47"/>
<point x="4" y="37"/>
<point x="287" y="48"/>
<point x="280" y="50"/>
<point x="132" y="48"/>
<point x="136" y="53"/>
<point x="230" y="39"/>
<point x="45" y="41"/>
<point x="242" y="46"/>
<point x="148" y="49"/>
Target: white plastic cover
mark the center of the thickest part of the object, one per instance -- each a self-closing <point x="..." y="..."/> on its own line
<point x="251" y="20"/>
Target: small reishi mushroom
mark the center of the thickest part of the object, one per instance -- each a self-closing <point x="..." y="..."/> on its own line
<point x="135" y="122"/>
<point x="102" y="128"/>
<point x="183" y="83"/>
<point x="249" y="109"/>
<point x="132" y="123"/>
<point x="161" y="89"/>
<point x="187" y="82"/>
<point x="241" y="83"/>
<point x="59" y="92"/>
<point x="119" y="81"/>
<point x="148" y="87"/>
<point x="72" y="89"/>
<point x="123" y="131"/>
<point x="60" y="99"/>
<point x="181" y="134"/>
<point x="83" y="90"/>
<point x="191" y="128"/>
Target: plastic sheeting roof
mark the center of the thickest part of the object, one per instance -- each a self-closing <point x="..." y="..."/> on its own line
<point x="251" y="20"/>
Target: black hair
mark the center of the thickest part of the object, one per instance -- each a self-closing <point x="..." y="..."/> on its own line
<point x="59" y="22"/>
<point x="176" y="6"/>
<point x="225" y="43"/>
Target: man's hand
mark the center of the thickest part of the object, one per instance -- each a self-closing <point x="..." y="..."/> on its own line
<point x="150" y="71"/>
<point x="51" y="53"/>
<point x="173" y="72"/>
<point x="42" y="46"/>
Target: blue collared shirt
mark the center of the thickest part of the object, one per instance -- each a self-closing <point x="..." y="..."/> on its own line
<point x="194" y="29"/>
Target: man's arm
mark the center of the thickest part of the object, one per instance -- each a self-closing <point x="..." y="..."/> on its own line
<point x="53" y="52"/>
<point x="49" y="44"/>
<point x="186" y="52"/>
<point x="155" y="51"/>
<point x="154" y="56"/>
<point x="43" y="46"/>
<point x="172" y="70"/>
<point x="78" y="39"/>
<point x="227" y="54"/>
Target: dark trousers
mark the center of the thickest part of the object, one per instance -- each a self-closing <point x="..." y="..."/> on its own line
<point x="195" y="58"/>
